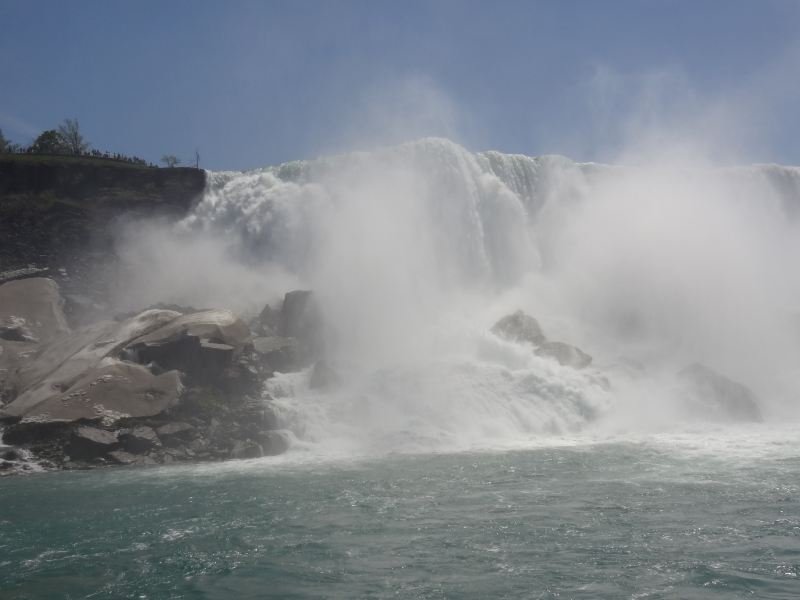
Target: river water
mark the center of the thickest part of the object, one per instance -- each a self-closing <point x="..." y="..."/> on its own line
<point x="712" y="514"/>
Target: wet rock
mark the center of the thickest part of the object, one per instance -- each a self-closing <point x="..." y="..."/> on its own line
<point x="710" y="395"/>
<point x="279" y="353"/>
<point x="247" y="449"/>
<point x="301" y="319"/>
<point x="267" y="322"/>
<point x="274" y="442"/>
<point x="323" y="376"/>
<point x="10" y="454"/>
<point x="174" y="434"/>
<point x="140" y="440"/>
<point x="33" y="432"/>
<point x="252" y="417"/>
<point x="123" y="458"/>
<point x="91" y="442"/>
<point x="566" y="355"/>
<point x="519" y="327"/>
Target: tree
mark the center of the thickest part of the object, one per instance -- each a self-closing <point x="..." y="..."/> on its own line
<point x="170" y="160"/>
<point x="49" y="142"/>
<point x="70" y="133"/>
<point x="5" y="145"/>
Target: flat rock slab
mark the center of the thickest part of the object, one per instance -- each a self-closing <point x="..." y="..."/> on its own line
<point x="73" y="358"/>
<point x="110" y="392"/>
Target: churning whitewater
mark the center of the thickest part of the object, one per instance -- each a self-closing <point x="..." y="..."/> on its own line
<point x="415" y="251"/>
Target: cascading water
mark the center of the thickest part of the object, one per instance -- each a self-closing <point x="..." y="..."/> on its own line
<point x="414" y="251"/>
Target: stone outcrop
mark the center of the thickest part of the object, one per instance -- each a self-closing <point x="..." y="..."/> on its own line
<point x="519" y="327"/>
<point x="523" y="329"/>
<point x="566" y="355"/>
<point x="713" y="396"/>
<point x="153" y="388"/>
<point x="200" y="344"/>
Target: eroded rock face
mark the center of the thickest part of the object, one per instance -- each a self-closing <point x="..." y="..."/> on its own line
<point x="566" y="355"/>
<point x="713" y="396"/>
<point x="112" y="391"/>
<point x="519" y="327"/>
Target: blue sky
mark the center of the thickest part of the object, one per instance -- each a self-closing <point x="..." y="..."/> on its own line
<point x="256" y="83"/>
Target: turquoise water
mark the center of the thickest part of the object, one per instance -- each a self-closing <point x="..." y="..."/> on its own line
<point x="626" y="519"/>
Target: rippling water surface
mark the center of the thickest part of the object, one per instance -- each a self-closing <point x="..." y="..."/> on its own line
<point x="691" y="516"/>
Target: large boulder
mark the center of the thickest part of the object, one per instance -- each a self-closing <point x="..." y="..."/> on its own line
<point x="73" y="362"/>
<point x="519" y="327"/>
<point x="31" y="310"/>
<point x="30" y="313"/>
<point x="90" y="442"/>
<point x="110" y="391"/>
<point x="200" y="344"/>
<point x="713" y="396"/>
<point x="565" y="354"/>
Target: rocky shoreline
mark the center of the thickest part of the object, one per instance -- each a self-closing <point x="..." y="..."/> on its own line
<point x="167" y="384"/>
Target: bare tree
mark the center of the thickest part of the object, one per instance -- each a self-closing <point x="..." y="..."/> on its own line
<point x="170" y="160"/>
<point x="70" y="134"/>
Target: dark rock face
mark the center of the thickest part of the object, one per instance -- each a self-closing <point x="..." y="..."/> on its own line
<point x="519" y="327"/>
<point x="566" y="355"/>
<point x="200" y="344"/>
<point x="712" y="395"/>
<point x="267" y="322"/>
<point x="91" y="442"/>
<point x="140" y="439"/>
<point x="60" y="213"/>
<point x="301" y="319"/>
